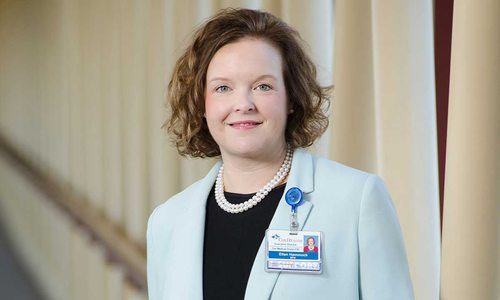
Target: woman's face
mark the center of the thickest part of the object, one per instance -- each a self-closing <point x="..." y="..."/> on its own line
<point x="245" y="99"/>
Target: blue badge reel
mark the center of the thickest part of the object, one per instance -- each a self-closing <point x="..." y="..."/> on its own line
<point x="294" y="198"/>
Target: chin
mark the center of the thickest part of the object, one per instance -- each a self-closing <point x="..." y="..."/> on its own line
<point x="253" y="149"/>
<point x="248" y="151"/>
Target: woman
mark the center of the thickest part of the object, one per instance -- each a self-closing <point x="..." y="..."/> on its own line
<point x="311" y="245"/>
<point x="245" y="90"/>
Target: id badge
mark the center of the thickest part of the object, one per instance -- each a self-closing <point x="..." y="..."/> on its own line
<point x="294" y="251"/>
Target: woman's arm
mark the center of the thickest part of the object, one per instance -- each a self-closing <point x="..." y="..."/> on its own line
<point x="152" y="265"/>
<point x="384" y="272"/>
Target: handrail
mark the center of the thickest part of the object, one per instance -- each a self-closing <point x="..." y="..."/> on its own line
<point x="119" y="248"/>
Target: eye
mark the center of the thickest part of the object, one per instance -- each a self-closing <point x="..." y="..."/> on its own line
<point x="264" y="87"/>
<point x="222" y="89"/>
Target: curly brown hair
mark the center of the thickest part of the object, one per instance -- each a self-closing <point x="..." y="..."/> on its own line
<point x="186" y="90"/>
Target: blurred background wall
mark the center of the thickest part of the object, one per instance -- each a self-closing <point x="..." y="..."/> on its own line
<point x="83" y="160"/>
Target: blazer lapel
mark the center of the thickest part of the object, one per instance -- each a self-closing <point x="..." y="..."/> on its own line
<point x="261" y="283"/>
<point x="187" y="244"/>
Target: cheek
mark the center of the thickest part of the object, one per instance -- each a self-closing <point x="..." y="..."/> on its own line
<point x="280" y="109"/>
<point x="215" y="111"/>
<point x="210" y="107"/>
<point x="208" y="102"/>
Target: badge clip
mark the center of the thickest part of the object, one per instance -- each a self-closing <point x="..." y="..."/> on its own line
<point x="294" y="197"/>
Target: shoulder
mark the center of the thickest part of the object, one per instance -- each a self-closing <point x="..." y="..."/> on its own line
<point x="179" y="201"/>
<point x="324" y="166"/>
<point x="167" y="213"/>
<point x="361" y="193"/>
<point x="161" y="220"/>
<point x="332" y="174"/>
<point x="342" y="187"/>
<point x="172" y="207"/>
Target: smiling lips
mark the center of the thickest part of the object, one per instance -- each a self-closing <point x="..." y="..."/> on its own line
<point x="244" y="124"/>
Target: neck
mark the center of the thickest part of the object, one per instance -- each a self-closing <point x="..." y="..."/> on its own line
<point x="247" y="175"/>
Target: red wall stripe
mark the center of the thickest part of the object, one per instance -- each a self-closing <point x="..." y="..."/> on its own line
<point x="443" y="23"/>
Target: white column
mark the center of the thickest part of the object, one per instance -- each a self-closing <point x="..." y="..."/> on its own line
<point x="314" y="21"/>
<point x="471" y="219"/>
<point x="384" y="117"/>
<point x="91" y="101"/>
<point x="134" y="119"/>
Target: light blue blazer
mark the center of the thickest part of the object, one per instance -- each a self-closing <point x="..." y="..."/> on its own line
<point x="363" y="251"/>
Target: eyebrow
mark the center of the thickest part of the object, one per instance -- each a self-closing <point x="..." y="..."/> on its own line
<point x="266" y="76"/>
<point x="257" y="79"/>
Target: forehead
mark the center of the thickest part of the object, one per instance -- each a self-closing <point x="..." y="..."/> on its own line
<point x="248" y="56"/>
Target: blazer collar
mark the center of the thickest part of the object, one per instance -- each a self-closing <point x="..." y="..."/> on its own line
<point x="191" y="228"/>
<point x="261" y="283"/>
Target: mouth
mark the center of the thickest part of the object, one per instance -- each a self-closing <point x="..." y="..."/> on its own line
<point x="244" y="124"/>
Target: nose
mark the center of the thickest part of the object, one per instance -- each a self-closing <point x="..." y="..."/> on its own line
<point x="244" y="103"/>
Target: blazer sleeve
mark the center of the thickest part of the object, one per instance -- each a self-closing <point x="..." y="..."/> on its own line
<point x="383" y="265"/>
<point x="152" y="266"/>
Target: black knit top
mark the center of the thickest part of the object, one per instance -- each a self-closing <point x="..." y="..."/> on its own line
<point x="232" y="242"/>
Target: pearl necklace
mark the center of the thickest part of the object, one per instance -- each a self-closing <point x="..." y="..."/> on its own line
<point x="241" y="207"/>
